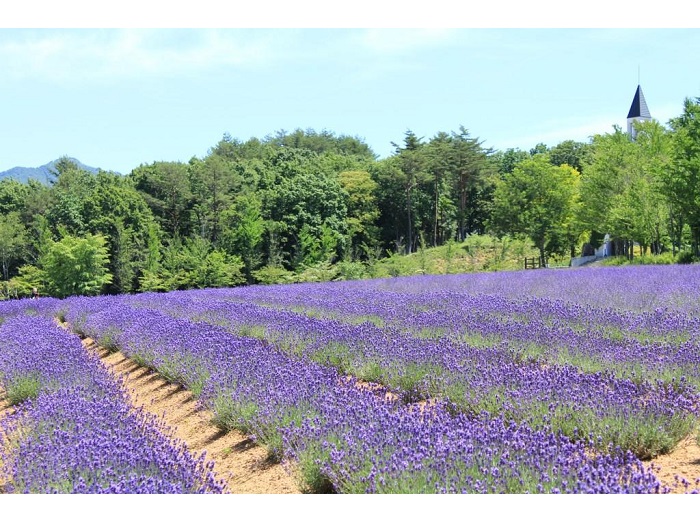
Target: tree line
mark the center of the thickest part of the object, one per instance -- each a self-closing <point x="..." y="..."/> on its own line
<point x="307" y="205"/>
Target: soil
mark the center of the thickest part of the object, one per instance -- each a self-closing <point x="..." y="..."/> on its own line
<point x="238" y="461"/>
<point x="683" y="463"/>
<point x="5" y="410"/>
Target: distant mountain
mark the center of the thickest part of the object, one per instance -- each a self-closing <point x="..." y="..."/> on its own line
<point x="42" y="173"/>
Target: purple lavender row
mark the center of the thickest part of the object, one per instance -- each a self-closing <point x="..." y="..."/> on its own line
<point x="641" y="299"/>
<point x="247" y="383"/>
<point x="640" y="289"/>
<point x="41" y="306"/>
<point x="632" y="288"/>
<point x="661" y="344"/>
<point x="74" y="430"/>
<point x="353" y="439"/>
<point x="646" y="417"/>
<point x="439" y="451"/>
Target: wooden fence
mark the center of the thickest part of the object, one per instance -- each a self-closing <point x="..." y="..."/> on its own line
<point x="532" y="263"/>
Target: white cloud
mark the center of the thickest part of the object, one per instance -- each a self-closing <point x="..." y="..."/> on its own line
<point x="552" y="133"/>
<point x="62" y="55"/>
<point x="395" y="41"/>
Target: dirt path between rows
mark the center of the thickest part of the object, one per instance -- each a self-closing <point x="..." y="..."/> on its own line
<point x="239" y="462"/>
<point x="683" y="462"/>
<point x="5" y="410"/>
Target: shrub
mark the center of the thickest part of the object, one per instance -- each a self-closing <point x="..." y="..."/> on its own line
<point x="273" y="274"/>
<point x="685" y="257"/>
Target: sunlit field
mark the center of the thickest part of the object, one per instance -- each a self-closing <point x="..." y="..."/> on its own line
<point x="534" y="381"/>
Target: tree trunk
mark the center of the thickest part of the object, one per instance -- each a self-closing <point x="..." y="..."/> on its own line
<point x="437" y="198"/>
<point x="542" y="259"/>
<point x="410" y="226"/>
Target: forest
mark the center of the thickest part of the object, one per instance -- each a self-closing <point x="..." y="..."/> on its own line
<point x="309" y="205"/>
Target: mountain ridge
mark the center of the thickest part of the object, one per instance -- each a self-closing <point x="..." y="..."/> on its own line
<point x="43" y="173"/>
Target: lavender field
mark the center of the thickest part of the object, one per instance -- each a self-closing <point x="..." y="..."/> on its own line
<point x="512" y="382"/>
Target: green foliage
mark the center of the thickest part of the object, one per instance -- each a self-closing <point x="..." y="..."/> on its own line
<point x="571" y="153"/>
<point x="165" y="187"/>
<point x="233" y="414"/>
<point x="214" y="180"/>
<point x="273" y="274"/>
<point x="507" y="160"/>
<point x="622" y="185"/>
<point x="320" y="272"/>
<point x="194" y="265"/>
<point x="362" y="211"/>
<point x="301" y="199"/>
<point x="13" y="195"/>
<point x="307" y="205"/>
<point x="685" y="257"/>
<point x="682" y="182"/>
<point x="22" y="387"/>
<point x="76" y="266"/>
<point x="540" y="201"/>
<point x="321" y="142"/>
<point x="245" y="230"/>
<point x="310" y="477"/>
<point x="13" y="242"/>
<point x="477" y="253"/>
<point x="352" y="270"/>
<point x="217" y="270"/>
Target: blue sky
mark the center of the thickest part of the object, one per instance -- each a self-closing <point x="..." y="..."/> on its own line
<point x="124" y="96"/>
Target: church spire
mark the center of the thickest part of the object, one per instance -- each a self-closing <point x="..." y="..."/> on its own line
<point x="638" y="111"/>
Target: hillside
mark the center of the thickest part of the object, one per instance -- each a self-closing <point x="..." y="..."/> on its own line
<point x="42" y="173"/>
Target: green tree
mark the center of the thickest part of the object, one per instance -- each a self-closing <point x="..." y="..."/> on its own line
<point x="120" y="213"/>
<point x="213" y="181"/>
<point x="537" y="200"/>
<point x="621" y="188"/>
<point x="507" y="160"/>
<point x="650" y="207"/>
<point x="13" y="195"/>
<point x="76" y="265"/>
<point x="362" y="211"/>
<point x="411" y="173"/>
<point x="391" y="201"/>
<point x="298" y="192"/>
<point x="166" y="189"/>
<point x="321" y="142"/>
<point x="244" y="231"/>
<point x="539" y="149"/>
<point x="13" y="242"/>
<point x="37" y="203"/>
<point x="571" y="153"/>
<point x="194" y="264"/>
<point x="72" y="188"/>
<point x="682" y="185"/>
<point x="471" y="174"/>
<point x="438" y="153"/>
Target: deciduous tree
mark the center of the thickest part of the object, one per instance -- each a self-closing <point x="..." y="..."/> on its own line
<point x="537" y="200"/>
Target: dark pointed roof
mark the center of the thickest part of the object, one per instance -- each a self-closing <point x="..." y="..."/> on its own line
<point x="639" y="106"/>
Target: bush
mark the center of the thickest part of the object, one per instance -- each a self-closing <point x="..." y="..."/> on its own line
<point x="686" y="258"/>
<point x="318" y="273"/>
<point x="618" y="260"/>
<point x="273" y="274"/>
<point x="664" y="258"/>
<point x="351" y="270"/>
